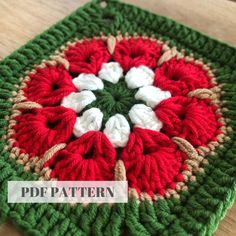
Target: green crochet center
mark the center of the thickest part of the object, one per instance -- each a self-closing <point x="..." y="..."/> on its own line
<point x="114" y="99"/>
<point x="199" y="209"/>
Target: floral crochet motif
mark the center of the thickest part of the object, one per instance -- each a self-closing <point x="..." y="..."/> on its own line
<point x="107" y="101"/>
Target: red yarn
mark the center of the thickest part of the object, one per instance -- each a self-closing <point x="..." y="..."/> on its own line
<point x="190" y="118"/>
<point x="87" y="56"/>
<point x="91" y="157"/>
<point x="137" y="52"/>
<point x="49" y="85"/>
<point x="41" y="129"/>
<point x="152" y="161"/>
<point x="180" y="77"/>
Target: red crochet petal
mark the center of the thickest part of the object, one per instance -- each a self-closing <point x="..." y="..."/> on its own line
<point x="180" y="77"/>
<point x="137" y="52"/>
<point x="190" y="118"/>
<point x="152" y="161"/>
<point x="87" y="56"/>
<point x="42" y="128"/>
<point x="91" y="157"/>
<point x="49" y="85"/>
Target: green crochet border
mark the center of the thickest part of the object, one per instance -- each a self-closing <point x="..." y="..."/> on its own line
<point x="199" y="209"/>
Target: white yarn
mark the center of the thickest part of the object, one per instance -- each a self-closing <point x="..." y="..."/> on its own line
<point x="78" y="101"/>
<point x="90" y="120"/>
<point x="152" y="95"/>
<point x="87" y="82"/>
<point x="117" y="130"/>
<point x="111" y="72"/>
<point x="144" y="117"/>
<point x="139" y="76"/>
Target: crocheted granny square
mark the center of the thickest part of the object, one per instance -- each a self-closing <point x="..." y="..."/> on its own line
<point x="114" y="92"/>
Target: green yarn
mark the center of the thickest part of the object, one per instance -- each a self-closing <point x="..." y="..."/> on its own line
<point x="102" y="219"/>
<point x="199" y="210"/>
<point x="113" y="99"/>
<point x="116" y="220"/>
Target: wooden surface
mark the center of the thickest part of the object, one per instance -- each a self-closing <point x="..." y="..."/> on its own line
<point x="21" y="20"/>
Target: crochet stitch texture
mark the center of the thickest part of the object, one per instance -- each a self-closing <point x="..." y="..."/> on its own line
<point x="118" y="93"/>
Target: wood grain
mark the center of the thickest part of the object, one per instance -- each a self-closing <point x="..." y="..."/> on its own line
<point x="21" y="20"/>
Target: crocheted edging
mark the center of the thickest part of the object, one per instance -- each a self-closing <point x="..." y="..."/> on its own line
<point x="195" y="211"/>
<point x="196" y="156"/>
